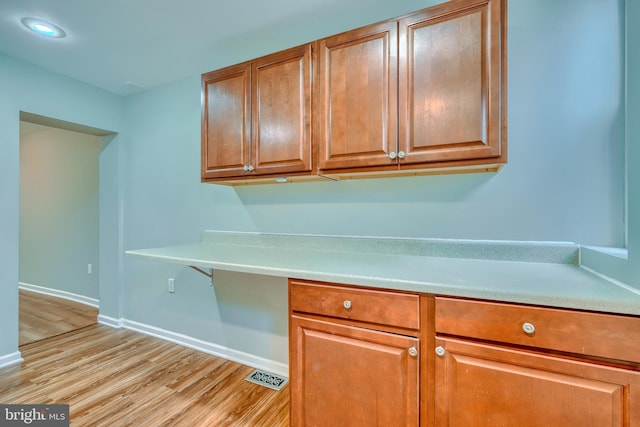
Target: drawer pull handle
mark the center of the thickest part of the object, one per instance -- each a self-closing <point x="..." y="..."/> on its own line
<point x="528" y="328"/>
<point x="347" y="304"/>
<point x="440" y="351"/>
<point x="413" y="352"/>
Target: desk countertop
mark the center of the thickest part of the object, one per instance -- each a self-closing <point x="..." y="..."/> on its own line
<point x="545" y="274"/>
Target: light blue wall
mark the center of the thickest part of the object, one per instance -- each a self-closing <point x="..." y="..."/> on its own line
<point x="628" y="270"/>
<point x="59" y="209"/>
<point x="566" y="143"/>
<point x="566" y="152"/>
<point x="633" y="136"/>
<point x="165" y="204"/>
<point x="27" y="88"/>
<point x="564" y="180"/>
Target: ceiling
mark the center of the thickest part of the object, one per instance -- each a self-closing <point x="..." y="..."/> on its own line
<point x="128" y="46"/>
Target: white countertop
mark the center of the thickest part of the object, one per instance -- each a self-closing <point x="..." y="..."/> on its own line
<point x="387" y="263"/>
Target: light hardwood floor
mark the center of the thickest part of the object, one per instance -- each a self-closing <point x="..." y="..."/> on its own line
<point x="116" y="377"/>
<point x="43" y="316"/>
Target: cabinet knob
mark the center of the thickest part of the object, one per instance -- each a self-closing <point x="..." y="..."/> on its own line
<point x="528" y="328"/>
<point x="413" y="352"/>
<point x="248" y="168"/>
<point x="401" y="154"/>
<point x="347" y="304"/>
<point x="392" y="155"/>
<point x="440" y="351"/>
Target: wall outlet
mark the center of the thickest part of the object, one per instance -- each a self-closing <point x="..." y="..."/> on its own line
<point x="171" y="287"/>
<point x="89" y="269"/>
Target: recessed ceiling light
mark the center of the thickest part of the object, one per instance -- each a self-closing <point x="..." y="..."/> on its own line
<point x="43" y="28"/>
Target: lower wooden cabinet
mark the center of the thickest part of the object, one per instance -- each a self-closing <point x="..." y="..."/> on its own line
<point x="349" y="376"/>
<point x="499" y="364"/>
<point x="365" y="357"/>
<point x="480" y="385"/>
<point x="348" y="365"/>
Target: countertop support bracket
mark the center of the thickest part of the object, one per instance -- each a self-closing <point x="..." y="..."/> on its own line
<point x="209" y="273"/>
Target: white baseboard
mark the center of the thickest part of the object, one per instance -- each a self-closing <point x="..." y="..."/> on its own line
<point x="199" y="345"/>
<point x="60" y="294"/>
<point x="110" y="321"/>
<point x="11" y="359"/>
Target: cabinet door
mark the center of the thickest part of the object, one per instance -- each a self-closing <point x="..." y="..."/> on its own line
<point x="226" y="121"/>
<point x="281" y="105"/>
<point x="357" y="105"/>
<point x="349" y="376"/>
<point x="451" y="75"/>
<point x="482" y="385"/>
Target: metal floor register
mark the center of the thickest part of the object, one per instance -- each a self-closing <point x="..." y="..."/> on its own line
<point x="267" y="379"/>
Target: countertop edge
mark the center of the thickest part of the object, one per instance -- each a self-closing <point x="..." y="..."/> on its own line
<point x="618" y="302"/>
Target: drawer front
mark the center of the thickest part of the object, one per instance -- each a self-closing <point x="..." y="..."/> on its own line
<point x="593" y="334"/>
<point x="365" y="305"/>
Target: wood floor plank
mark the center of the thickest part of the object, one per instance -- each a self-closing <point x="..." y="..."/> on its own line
<point x="114" y="377"/>
<point x="43" y="316"/>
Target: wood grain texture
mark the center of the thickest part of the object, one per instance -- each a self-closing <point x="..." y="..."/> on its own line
<point x="258" y="114"/>
<point x="347" y="367"/>
<point x="343" y="375"/>
<point x="608" y="336"/>
<point x="281" y="111"/>
<point x="226" y="121"/>
<point x="485" y="385"/>
<point x="427" y="361"/>
<point x="453" y="83"/>
<point x="357" y="97"/>
<point x="43" y="316"/>
<point x="365" y="305"/>
<point x="114" y="377"/>
<point x="425" y="93"/>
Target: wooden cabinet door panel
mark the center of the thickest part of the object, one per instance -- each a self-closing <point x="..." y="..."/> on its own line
<point x="226" y="121"/>
<point x="357" y="105"/>
<point x="348" y="376"/>
<point x="481" y="385"/>
<point x="281" y="107"/>
<point x="450" y="90"/>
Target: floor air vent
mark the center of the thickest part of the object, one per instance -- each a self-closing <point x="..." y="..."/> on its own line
<point x="267" y="379"/>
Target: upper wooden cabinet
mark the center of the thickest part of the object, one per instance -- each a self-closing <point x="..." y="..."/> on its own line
<point x="452" y="83"/>
<point x="419" y="94"/>
<point x="434" y="99"/>
<point x="256" y="117"/>
<point x="226" y="121"/>
<point x="357" y="97"/>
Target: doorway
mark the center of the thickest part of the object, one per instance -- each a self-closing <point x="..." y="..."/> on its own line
<point x="59" y="227"/>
